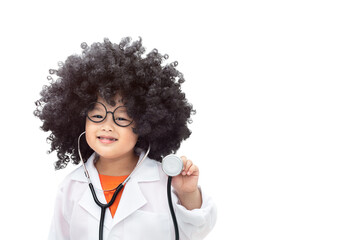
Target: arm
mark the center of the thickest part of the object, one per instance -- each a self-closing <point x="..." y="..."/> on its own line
<point x="196" y="213"/>
<point x="186" y="185"/>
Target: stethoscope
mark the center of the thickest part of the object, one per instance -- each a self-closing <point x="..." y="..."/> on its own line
<point x="171" y="165"/>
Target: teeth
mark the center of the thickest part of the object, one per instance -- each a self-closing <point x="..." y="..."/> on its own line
<point x="111" y="139"/>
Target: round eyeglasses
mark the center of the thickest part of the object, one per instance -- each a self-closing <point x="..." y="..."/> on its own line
<point x="97" y="113"/>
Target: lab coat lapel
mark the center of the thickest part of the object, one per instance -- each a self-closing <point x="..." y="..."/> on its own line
<point x="132" y="198"/>
<point x="87" y="200"/>
<point x="88" y="204"/>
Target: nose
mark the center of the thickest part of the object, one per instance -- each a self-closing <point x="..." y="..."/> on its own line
<point x="107" y="124"/>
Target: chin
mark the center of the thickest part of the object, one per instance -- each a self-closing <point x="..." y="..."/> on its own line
<point x="111" y="155"/>
<point x="108" y="155"/>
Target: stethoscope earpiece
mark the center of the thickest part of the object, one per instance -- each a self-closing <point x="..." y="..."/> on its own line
<point x="172" y="165"/>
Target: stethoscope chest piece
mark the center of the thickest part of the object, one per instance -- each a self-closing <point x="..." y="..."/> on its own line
<point x="172" y="165"/>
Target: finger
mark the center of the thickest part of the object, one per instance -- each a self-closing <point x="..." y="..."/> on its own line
<point x="184" y="161"/>
<point x="187" y="166"/>
<point x="192" y="170"/>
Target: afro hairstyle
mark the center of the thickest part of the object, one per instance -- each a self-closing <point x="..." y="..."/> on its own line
<point x="150" y="89"/>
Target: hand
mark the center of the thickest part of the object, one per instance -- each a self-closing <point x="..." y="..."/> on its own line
<point x="187" y="181"/>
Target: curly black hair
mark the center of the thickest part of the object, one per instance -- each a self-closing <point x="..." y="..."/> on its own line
<point x="150" y="89"/>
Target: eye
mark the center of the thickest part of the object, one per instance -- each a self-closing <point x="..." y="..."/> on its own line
<point x="97" y="116"/>
<point x="121" y="119"/>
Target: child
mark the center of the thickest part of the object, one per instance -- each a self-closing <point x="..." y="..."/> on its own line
<point x="127" y="104"/>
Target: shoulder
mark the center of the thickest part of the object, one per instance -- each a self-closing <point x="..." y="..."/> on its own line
<point x="148" y="171"/>
<point x="77" y="175"/>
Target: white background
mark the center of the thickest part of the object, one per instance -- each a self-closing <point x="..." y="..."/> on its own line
<point x="275" y="85"/>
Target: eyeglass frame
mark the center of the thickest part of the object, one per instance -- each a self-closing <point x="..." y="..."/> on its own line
<point x="106" y="111"/>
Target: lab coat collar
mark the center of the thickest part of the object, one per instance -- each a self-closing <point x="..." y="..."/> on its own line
<point x="146" y="172"/>
<point x="132" y="198"/>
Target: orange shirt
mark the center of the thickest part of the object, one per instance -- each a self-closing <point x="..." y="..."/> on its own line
<point x="111" y="182"/>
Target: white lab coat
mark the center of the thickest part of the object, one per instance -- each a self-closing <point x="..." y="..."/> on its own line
<point x="143" y="211"/>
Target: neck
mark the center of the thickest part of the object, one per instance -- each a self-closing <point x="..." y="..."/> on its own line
<point x="116" y="166"/>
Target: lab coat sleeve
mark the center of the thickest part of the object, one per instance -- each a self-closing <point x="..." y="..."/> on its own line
<point x="59" y="229"/>
<point x="197" y="223"/>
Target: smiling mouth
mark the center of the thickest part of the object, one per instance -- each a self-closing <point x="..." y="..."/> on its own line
<point x="107" y="139"/>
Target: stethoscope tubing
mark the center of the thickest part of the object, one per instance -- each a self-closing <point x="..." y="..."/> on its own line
<point x="104" y="206"/>
<point x="176" y="228"/>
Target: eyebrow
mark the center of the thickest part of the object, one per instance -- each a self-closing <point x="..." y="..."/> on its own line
<point x="97" y="108"/>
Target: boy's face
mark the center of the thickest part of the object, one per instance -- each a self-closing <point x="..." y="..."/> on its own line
<point x="108" y="139"/>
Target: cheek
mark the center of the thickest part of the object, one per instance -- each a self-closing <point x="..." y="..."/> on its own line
<point x="87" y="125"/>
<point x="89" y="129"/>
<point x="129" y="136"/>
